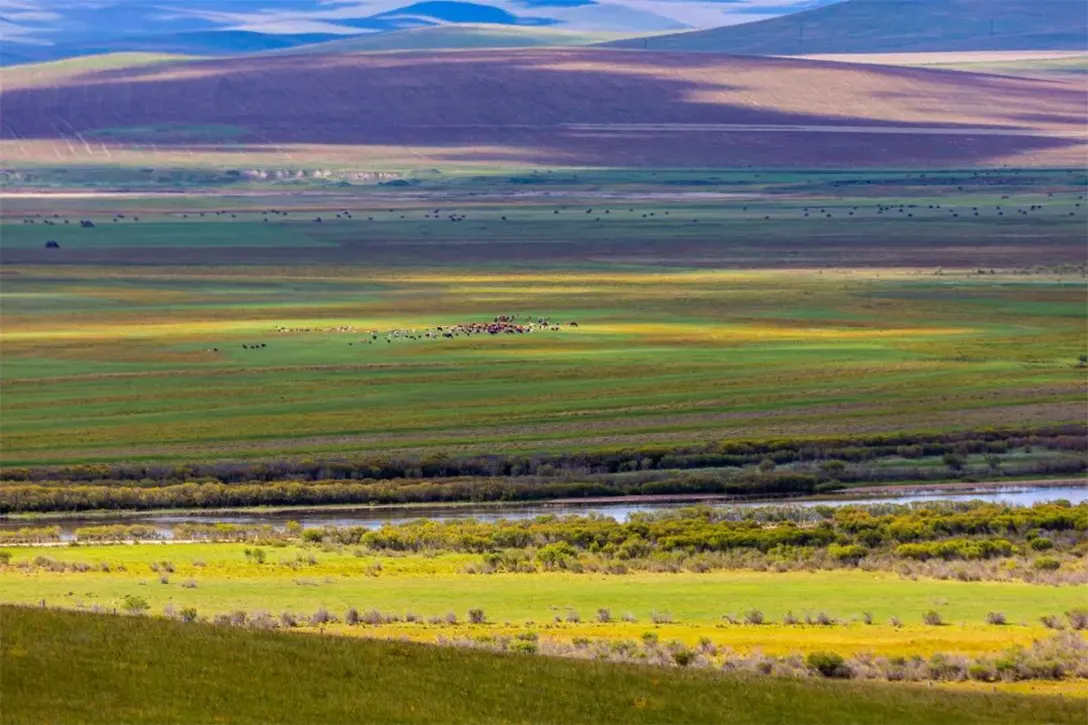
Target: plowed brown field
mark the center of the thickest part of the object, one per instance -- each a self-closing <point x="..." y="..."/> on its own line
<point x="577" y="107"/>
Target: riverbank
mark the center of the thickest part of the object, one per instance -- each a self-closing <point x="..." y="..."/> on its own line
<point x="491" y="509"/>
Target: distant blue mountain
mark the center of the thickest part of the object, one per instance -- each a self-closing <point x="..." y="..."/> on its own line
<point x="33" y="30"/>
<point x="450" y="11"/>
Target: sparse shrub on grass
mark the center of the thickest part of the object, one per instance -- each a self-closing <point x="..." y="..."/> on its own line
<point x="287" y="619"/>
<point x="372" y="617"/>
<point x="1046" y="563"/>
<point x="262" y="620"/>
<point x="321" y="616"/>
<point x="981" y="672"/>
<point x="895" y="622"/>
<point x="1051" y="621"/>
<point x="828" y="664"/>
<point x="996" y="618"/>
<point x="164" y="579"/>
<point x="451" y="618"/>
<point x="573" y="617"/>
<point x="236" y="618"/>
<point x="187" y="614"/>
<point x="753" y="617"/>
<point x="351" y="617"/>
<point x="1077" y="618"/>
<point x="649" y="639"/>
<point x="661" y="617"/>
<point x="476" y="616"/>
<point x="789" y="619"/>
<point x="134" y="604"/>
<point x="932" y="618"/>
<point x="189" y="584"/>
<point x="866" y="617"/>
<point x="5" y="558"/>
<point x="604" y="615"/>
<point x="1041" y="543"/>
<point x="683" y="657"/>
<point x="629" y="617"/>
<point x="256" y="555"/>
<point x="823" y="619"/>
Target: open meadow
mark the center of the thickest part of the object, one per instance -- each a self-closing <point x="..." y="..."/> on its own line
<point x="219" y="328"/>
<point x="497" y="281"/>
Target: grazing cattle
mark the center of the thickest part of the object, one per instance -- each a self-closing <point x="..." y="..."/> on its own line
<point x="51" y="244"/>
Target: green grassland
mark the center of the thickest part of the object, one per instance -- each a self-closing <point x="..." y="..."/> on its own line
<point x="699" y="318"/>
<point x="302" y="579"/>
<point x="66" y="667"/>
<point x="1057" y="68"/>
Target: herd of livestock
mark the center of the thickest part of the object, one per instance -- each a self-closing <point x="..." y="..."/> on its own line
<point x="500" y="325"/>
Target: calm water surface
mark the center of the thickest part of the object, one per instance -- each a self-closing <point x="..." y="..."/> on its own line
<point x="376" y="517"/>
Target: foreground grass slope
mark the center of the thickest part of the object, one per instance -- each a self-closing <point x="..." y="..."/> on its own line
<point x="78" y="668"/>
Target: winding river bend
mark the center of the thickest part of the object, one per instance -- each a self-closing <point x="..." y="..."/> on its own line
<point x="374" y="517"/>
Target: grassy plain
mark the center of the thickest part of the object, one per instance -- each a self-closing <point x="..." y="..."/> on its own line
<point x="431" y="586"/>
<point x="96" y="669"/>
<point x="127" y="343"/>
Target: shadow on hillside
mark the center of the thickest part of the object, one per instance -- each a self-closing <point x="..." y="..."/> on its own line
<point x="569" y="107"/>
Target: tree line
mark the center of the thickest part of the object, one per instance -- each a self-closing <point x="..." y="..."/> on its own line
<point x="733" y="453"/>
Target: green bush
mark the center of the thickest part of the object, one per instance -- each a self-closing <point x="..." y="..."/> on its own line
<point x="134" y="604"/>
<point x="1042" y="544"/>
<point x="683" y="657"/>
<point x="1047" y="563"/>
<point x="981" y="673"/>
<point x="828" y="664"/>
<point x="849" y="553"/>
<point x="933" y="618"/>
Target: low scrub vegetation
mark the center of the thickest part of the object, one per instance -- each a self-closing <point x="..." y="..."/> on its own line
<point x="739" y="468"/>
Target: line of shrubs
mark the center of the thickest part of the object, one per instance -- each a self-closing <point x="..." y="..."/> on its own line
<point x="1062" y="656"/>
<point x="1071" y="437"/>
<point x="26" y="498"/>
<point x="762" y="482"/>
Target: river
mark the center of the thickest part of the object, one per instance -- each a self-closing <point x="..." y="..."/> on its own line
<point x="374" y="517"/>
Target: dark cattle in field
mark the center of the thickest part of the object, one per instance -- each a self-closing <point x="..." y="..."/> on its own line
<point x="52" y="245"/>
<point x="86" y="224"/>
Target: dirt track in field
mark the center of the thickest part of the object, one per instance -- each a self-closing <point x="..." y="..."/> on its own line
<point x="549" y="107"/>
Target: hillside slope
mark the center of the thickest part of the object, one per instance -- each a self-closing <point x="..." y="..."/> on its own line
<point x="572" y="107"/>
<point x="885" y="26"/>
<point x="449" y="37"/>
<point x="83" y="668"/>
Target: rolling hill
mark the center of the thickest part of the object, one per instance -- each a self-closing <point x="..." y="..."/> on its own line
<point x="459" y="36"/>
<point x="886" y="26"/>
<point x="536" y="107"/>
